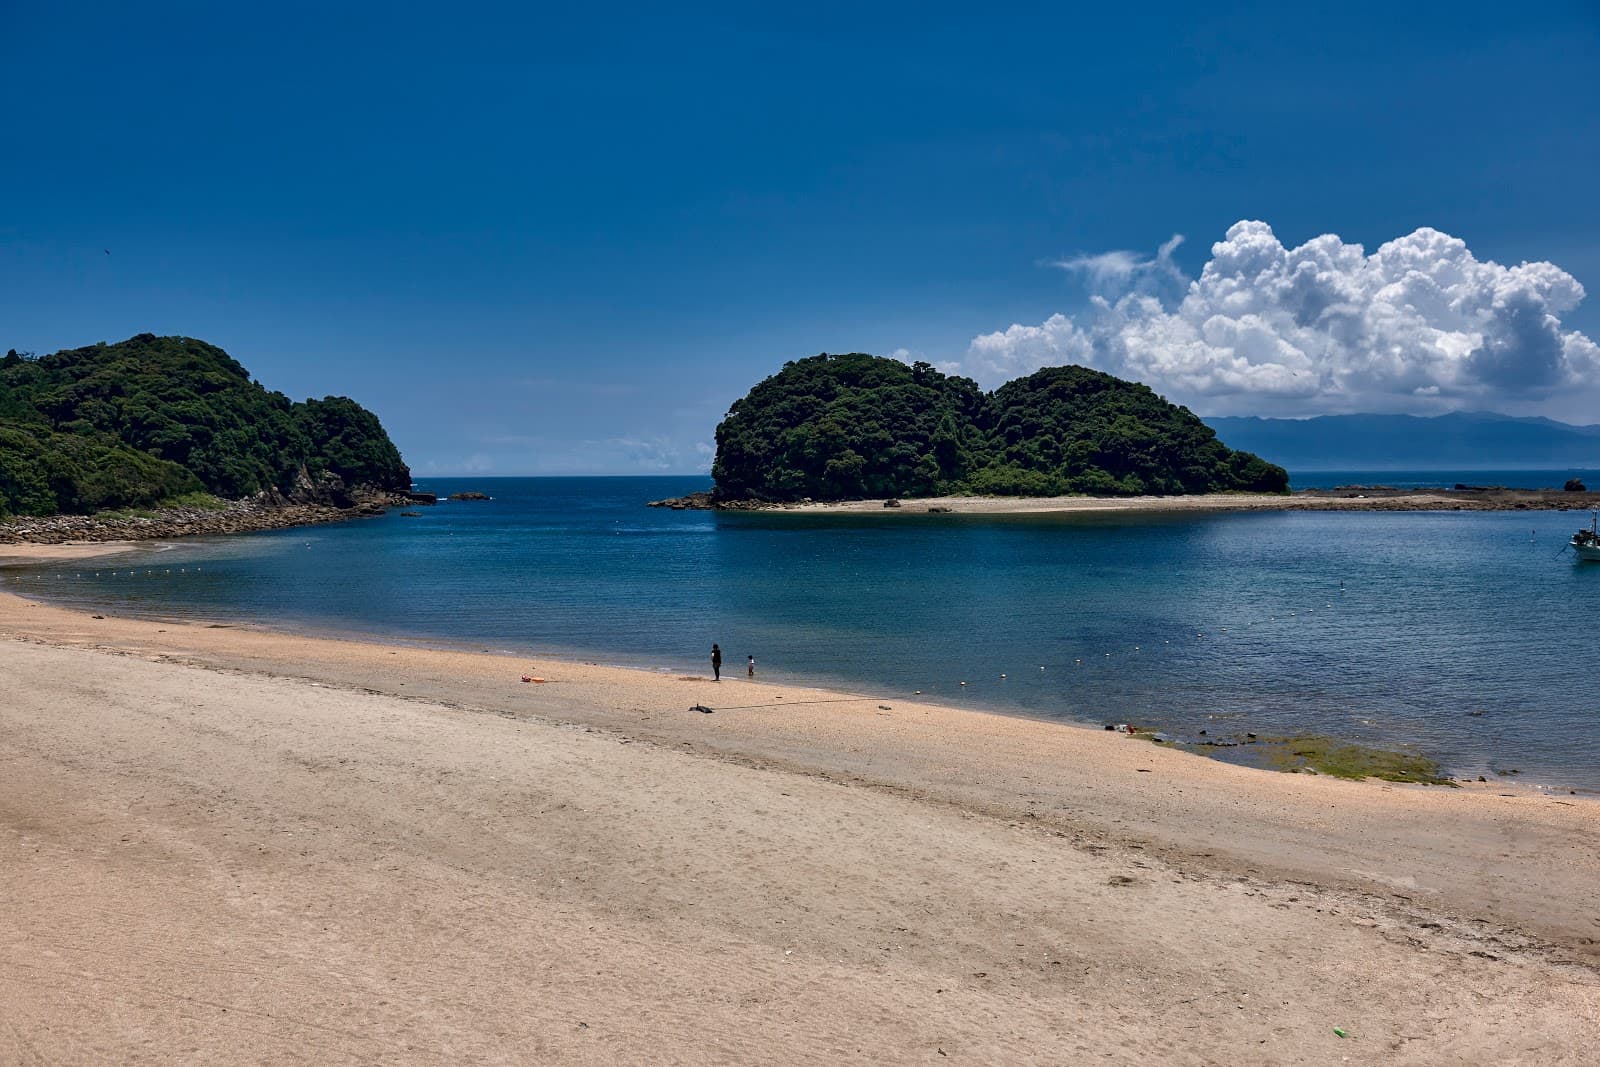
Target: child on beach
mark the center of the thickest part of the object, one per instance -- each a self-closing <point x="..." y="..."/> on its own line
<point x="750" y="668"/>
<point x="716" y="663"/>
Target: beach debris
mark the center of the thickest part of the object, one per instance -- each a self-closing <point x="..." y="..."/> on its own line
<point x="533" y="678"/>
<point x="97" y="616"/>
<point x="1340" y="1031"/>
<point x="701" y="708"/>
<point x="884" y="707"/>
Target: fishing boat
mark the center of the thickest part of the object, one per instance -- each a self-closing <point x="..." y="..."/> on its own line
<point x="1586" y="543"/>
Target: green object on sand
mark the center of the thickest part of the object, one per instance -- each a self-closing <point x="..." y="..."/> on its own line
<point x="1340" y="1032"/>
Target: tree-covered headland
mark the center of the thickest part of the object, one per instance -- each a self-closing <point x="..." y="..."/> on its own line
<point x="151" y="418"/>
<point x="842" y="427"/>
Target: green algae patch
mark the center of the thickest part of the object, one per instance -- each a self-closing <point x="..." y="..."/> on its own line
<point x="1306" y="755"/>
<point x="1324" y="755"/>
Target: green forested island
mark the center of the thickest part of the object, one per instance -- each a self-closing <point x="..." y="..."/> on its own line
<point x="152" y="419"/>
<point x="842" y="427"/>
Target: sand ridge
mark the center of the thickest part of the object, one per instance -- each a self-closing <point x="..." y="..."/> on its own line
<point x="237" y="844"/>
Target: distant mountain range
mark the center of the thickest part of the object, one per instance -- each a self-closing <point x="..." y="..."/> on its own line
<point x="1473" y="439"/>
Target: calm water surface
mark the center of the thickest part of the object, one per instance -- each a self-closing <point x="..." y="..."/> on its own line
<point x="1463" y="636"/>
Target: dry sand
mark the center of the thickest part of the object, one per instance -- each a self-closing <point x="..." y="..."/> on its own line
<point x="230" y="845"/>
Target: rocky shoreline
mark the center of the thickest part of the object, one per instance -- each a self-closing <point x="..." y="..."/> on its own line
<point x="251" y="515"/>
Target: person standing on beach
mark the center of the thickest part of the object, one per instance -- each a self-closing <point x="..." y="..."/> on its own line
<point x="750" y="668"/>
<point x="716" y="663"/>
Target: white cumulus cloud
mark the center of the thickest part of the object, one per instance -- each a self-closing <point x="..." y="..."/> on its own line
<point x="1419" y="325"/>
<point x="1121" y="270"/>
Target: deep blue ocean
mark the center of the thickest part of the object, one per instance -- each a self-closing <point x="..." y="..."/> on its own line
<point x="1468" y="637"/>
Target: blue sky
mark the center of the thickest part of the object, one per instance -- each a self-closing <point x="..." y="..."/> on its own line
<point x="550" y="242"/>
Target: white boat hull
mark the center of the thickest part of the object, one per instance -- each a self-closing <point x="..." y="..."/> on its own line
<point x="1588" y="552"/>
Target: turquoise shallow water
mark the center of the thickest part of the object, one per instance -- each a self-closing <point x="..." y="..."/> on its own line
<point x="1462" y="636"/>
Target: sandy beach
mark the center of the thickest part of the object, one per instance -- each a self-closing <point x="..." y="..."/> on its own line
<point x="224" y="844"/>
<point x="1348" y="498"/>
<point x="1355" y="499"/>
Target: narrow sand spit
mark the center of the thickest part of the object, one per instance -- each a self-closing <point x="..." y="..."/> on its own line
<point x="1366" y="499"/>
<point x="32" y="553"/>
<point x="228" y="845"/>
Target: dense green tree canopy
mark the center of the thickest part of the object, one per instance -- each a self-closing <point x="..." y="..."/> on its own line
<point x="837" y="427"/>
<point x="43" y="472"/>
<point x="169" y="415"/>
<point x="853" y="426"/>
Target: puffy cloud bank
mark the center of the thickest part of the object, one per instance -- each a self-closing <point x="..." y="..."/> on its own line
<point x="1419" y="325"/>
